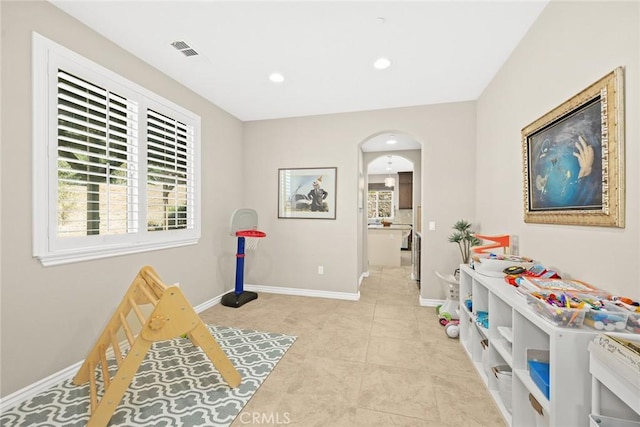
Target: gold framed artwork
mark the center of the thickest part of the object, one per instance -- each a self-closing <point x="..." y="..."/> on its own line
<point x="573" y="159"/>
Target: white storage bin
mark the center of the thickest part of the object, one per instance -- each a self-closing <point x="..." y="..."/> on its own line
<point x="504" y="375"/>
<point x="602" y="421"/>
<point x="542" y="418"/>
<point x="485" y="355"/>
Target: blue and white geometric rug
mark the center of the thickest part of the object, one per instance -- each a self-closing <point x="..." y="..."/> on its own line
<point x="176" y="385"/>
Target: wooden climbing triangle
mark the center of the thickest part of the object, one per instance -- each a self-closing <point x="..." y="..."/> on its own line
<point x="172" y="316"/>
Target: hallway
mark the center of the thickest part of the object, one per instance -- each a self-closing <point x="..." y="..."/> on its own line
<point x="380" y="361"/>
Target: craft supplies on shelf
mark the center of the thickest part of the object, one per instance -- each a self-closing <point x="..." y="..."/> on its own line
<point x="559" y="310"/>
<point x="559" y="285"/>
<point x="493" y="265"/>
<point x="633" y="321"/>
<point x="607" y="316"/>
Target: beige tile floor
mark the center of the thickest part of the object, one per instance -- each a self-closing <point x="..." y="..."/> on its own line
<point x="379" y="361"/>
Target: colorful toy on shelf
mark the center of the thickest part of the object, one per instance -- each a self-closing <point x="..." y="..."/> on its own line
<point x="501" y="241"/>
<point x="494" y="265"/>
<point x="536" y="270"/>
<point x="482" y="319"/>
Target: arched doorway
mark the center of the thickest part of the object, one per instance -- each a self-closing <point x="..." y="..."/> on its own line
<point x="405" y="156"/>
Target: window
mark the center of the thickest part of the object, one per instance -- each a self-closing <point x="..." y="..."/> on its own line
<point x="380" y="204"/>
<point x="116" y="167"/>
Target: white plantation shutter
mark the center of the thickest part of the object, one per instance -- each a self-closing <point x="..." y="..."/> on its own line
<point x="97" y="155"/>
<point x="116" y="167"/>
<point x="170" y="173"/>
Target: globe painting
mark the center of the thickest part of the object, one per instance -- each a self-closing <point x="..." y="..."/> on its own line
<point x="565" y="162"/>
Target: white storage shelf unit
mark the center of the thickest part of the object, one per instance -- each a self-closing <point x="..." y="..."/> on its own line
<point x="569" y="402"/>
<point x="615" y="388"/>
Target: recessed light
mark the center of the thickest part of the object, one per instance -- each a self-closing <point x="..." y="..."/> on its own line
<point x="382" y="63"/>
<point x="392" y="140"/>
<point x="276" y="77"/>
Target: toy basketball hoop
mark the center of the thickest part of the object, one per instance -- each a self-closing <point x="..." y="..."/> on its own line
<point x="251" y="237"/>
<point x="244" y="225"/>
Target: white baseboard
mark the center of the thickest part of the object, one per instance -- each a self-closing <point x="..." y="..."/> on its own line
<point x="362" y="277"/>
<point x="424" y="302"/>
<point x="32" y="390"/>
<point x="303" y="292"/>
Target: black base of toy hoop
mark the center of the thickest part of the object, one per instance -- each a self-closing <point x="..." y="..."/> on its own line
<point x="234" y="300"/>
<point x="239" y="296"/>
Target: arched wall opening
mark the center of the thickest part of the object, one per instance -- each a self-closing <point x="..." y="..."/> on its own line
<point x="406" y="152"/>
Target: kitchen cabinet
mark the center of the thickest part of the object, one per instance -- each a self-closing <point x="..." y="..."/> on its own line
<point x="405" y="190"/>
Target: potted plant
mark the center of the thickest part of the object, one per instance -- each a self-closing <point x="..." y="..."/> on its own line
<point x="464" y="237"/>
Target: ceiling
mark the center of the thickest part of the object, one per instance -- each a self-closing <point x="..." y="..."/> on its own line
<point x="440" y="51"/>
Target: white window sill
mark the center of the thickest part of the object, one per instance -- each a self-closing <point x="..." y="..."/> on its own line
<point x="80" y="255"/>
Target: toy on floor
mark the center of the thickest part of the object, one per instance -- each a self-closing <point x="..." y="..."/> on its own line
<point x="244" y="225"/>
<point x="448" y="311"/>
<point x="452" y="329"/>
<point x="172" y="316"/>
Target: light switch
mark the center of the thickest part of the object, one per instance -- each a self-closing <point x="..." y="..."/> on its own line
<point x="432" y="226"/>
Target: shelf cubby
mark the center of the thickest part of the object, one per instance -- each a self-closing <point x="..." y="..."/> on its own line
<point x="510" y="317"/>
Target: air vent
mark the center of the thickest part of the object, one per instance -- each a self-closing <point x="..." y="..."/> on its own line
<point x="184" y="48"/>
<point x="189" y="52"/>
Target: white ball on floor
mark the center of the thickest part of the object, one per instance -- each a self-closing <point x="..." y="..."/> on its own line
<point x="452" y="330"/>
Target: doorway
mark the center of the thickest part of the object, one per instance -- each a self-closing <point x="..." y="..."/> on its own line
<point x="395" y="158"/>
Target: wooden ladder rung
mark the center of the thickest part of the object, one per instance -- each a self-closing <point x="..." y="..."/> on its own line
<point x="145" y="290"/>
<point x="137" y="311"/>
<point x="116" y="347"/>
<point x="92" y="387"/>
<point x="127" y="329"/>
<point x="105" y="368"/>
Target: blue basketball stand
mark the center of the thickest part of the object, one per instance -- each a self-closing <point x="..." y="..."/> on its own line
<point x="244" y="224"/>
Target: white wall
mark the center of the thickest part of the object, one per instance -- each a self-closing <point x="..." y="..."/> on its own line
<point x="51" y="316"/>
<point x="293" y="249"/>
<point x="570" y="46"/>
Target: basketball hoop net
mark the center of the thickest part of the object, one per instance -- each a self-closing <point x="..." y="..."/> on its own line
<point x="251" y="238"/>
<point x="251" y="243"/>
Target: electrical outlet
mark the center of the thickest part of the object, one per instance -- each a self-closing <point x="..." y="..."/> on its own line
<point x="320" y="269"/>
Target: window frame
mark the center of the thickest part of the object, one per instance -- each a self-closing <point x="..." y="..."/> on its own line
<point x="377" y="192"/>
<point x="47" y="58"/>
